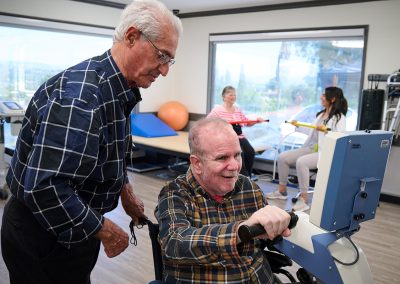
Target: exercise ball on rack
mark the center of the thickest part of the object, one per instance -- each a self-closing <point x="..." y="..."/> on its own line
<point x="174" y="114"/>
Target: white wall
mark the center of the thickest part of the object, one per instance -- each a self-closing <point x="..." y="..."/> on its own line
<point x="391" y="181"/>
<point x="188" y="78"/>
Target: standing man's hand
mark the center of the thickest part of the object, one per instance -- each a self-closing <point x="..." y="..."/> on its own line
<point x="113" y="238"/>
<point x="132" y="204"/>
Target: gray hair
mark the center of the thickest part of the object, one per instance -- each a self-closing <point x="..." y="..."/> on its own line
<point x="227" y="89"/>
<point x="211" y="123"/>
<point x="148" y="16"/>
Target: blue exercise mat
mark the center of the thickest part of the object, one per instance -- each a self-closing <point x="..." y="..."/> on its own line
<point x="149" y="125"/>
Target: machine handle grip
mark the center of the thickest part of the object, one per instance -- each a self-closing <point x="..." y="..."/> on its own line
<point x="247" y="121"/>
<point x="307" y="125"/>
<point x="247" y="233"/>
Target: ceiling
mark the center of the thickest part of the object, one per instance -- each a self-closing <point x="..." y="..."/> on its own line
<point x="193" y="6"/>
<point x="198" y="8"/>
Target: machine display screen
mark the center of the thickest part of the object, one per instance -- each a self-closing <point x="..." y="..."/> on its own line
<point x="12" y="105"/>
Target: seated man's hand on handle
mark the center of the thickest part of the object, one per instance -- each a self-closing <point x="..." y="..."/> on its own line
<point x="268" y="222"/>
<point x="132" y="204"/>
<point x="113" y="238"/>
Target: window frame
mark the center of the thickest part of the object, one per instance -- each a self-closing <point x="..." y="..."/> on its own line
<point x="54" y="27"/>
<point x="315" y="32"/>
<point x="43" y="24"/>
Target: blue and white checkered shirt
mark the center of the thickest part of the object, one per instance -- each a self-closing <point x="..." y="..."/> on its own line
<point x="69" y="161"/>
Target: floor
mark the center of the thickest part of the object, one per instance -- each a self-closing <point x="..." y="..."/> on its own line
<point x="379" y="238"/>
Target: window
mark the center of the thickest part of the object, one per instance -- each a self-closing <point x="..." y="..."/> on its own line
<point x="281" y="75"/>
<point x="32" y="51"/>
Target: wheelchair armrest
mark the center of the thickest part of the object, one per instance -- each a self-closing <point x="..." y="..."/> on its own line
<point x="277" y="260"/>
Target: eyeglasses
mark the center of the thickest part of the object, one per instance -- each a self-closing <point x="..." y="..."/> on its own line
<point x="162" y="57"/>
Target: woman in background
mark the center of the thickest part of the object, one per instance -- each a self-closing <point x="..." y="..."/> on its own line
<point x="306" y="158"/>
<point x="230" y="112"/>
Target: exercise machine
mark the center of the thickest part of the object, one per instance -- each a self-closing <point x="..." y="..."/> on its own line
<point x="391" y="106"/>
<point x="347" y="191"/>
<point x="10" y="112"/>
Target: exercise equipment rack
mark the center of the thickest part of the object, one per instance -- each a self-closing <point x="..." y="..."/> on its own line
<point x="391" y="106"/>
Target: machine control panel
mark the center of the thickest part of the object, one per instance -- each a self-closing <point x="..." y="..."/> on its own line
<point x="11" y="109"/>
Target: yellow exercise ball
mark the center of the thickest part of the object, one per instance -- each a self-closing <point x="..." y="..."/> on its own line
<point x="174" y="114"/>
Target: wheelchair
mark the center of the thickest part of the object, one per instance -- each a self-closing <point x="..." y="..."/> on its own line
<point x="277" y="261"/>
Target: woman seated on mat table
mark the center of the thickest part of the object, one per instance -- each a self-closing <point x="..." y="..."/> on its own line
<point x="230" y="112"/>
<point x="332" y="117"/>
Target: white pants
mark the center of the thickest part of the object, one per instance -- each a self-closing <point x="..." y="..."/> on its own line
<point x="305" y="160"/>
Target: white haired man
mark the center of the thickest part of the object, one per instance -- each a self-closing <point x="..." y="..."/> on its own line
<point x="69" y="166"/>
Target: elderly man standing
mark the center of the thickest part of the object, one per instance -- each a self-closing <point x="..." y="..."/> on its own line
<point x="69" y="163"/>
<point x="199" y="214"/>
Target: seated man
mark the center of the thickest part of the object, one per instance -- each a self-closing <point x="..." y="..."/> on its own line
<point x="199" y="214"/>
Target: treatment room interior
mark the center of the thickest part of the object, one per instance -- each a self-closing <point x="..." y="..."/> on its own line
<point x="188" y="82"/>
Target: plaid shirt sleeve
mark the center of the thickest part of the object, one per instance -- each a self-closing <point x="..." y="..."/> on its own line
<point x="69" y="163"/>
<point x="198" y="235"/>
<point x="64" y="152"/>
<point x="185" y="241"/>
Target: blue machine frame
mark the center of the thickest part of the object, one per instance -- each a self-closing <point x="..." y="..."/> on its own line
<point x="348" y="185"/>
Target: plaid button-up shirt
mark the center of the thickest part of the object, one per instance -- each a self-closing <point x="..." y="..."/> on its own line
<point x="69" y="161"/>
<point x="198" y="235"/>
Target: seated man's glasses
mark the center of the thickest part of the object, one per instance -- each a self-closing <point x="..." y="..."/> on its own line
<point x="162" y="57"/>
